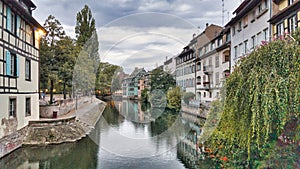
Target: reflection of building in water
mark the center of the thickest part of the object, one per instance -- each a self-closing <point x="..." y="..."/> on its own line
<point x="188" y="149"/>
<point x="132" y="110"/>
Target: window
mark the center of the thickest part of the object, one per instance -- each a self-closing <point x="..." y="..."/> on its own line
<point x="253" y="16"/>
<point x="235" y="52"/>
<point x="204" y="94"/>
<point x="253" y="42"/>
<point x="217" y="61"/>
<point x="217" y="78"/>
<point x="12" y="107"/>
<point x="228" y="37"/>
<point x="233" y="30"/>
<point x="245" y="21"/>
<point x="206" y="49"/>
<point x="219" y="42"/>
<point x="292" y="24"/>
<point x="258" y="37"/>
<point x="200" y="52"/>
<point x="198" y="66"/>
<point x="12" y="66"/>
<point x="280" y="29"/>
<point x="227" y="58"/>
<point x="213" y="45"/>
<point x="28" y="107"/>
<point x="291" y="2"/>
<point x="210" y="94"/>
<point x="27" y="69"/>
<point x="241" y="49"/>
<point x="13" y="23"/>
<point x="245" y="46"/>
<point x="240" y="26"/>
<point x="259" y="8"/>
<point x="265" y="34"/>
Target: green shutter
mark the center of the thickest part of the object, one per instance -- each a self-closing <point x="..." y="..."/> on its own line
<point x="18" y="25"/>
<point x="8" y="63"/>
<point x="18" y="65"/>
<point x="8" y="19"/>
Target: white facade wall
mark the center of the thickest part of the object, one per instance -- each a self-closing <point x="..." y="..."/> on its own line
<point x="256" y="27"/>
<point x="170" y="67"/>
<point x="183" y="78"/>
<point x="24" y="45"/>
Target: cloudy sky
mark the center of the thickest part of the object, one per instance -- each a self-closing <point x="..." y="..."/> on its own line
<point x="139" y="33"/>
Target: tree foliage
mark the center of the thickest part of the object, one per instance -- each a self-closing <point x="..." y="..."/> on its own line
<point x="161" y="80"/>
<point x="85" y="25"/>
<point x="188" y="96"/>
<point x="104" y="81"/>
<point x="174" y="98"/>
<point x="262" y="95"/>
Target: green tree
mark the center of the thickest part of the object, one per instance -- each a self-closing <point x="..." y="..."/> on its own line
<point x="188" y="96"/>
<point x="67" y="56"/>
<point x="104" y="79"/>
<point x="49" y="51"/>
<point x="261" y="105"/>
<point x="174" y="98"/>
<point x="161" y="80"/>
<point x="85" y="25"/>
<point x="86" y="35"/>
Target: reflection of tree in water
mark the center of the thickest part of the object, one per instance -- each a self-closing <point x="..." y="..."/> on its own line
<point x="162" y="123"/>
<point x="111" y="114"/>
<point x="82" y="154"/>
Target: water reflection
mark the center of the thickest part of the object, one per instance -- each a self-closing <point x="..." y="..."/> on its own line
<point x="82" y="154"/>
<point x="129" y="135"/>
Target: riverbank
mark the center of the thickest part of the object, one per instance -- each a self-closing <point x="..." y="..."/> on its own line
<point x="68" y="128"/>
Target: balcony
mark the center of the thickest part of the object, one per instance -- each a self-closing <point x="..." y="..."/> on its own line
<point x="208" y="69"/>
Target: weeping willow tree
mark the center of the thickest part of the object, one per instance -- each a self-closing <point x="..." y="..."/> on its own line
<point x="261" y="98"/>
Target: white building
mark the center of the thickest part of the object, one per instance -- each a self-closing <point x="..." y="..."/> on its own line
<point x="19" y="65"/>
<point x="213" y="64"/>
<point x="249" y="27"/>
<point x="170" y="65"/>
<point x="185" y="69"/>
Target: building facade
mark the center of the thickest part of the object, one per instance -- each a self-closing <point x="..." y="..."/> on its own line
<point x="19" y="68"/>
<point x="213" y="66"/>
<point x="170" y="65"/>
<point x="286" y="17"/>
<point x="19" y="65"/>
<point x="185" y="69"/>
<point x="131" y="84"/>
<point x="249" y="27"/>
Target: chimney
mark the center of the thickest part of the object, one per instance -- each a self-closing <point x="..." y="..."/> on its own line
<point x="206" y="25"/>
<point x="194" y="35"/>
<point x="166" y="58"/>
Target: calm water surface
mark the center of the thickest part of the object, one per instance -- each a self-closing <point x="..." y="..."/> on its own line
<point x="129" y="135"/>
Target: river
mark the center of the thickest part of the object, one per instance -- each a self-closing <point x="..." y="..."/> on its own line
<point x="129" y="135"/>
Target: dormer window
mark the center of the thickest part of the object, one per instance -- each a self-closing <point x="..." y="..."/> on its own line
<point x="291" y="2"/>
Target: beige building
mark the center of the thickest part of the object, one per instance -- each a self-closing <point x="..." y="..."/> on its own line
<point x="19" y="66"/>
<point x="286" y="17"/>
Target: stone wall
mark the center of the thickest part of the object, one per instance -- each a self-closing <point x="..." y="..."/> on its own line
<point x="62" y="107"/>
<point x="55" y="131"/>
<point x="11" y="142"/>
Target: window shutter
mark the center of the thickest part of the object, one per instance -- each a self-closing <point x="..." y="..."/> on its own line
<point x="18" y="25"/>
<point x="8" y="18"/>
<point x="18" y="65"/>
<point x="8" y="63"/>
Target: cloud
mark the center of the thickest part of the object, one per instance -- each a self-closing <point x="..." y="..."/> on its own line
<point x="139" y="32"/>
